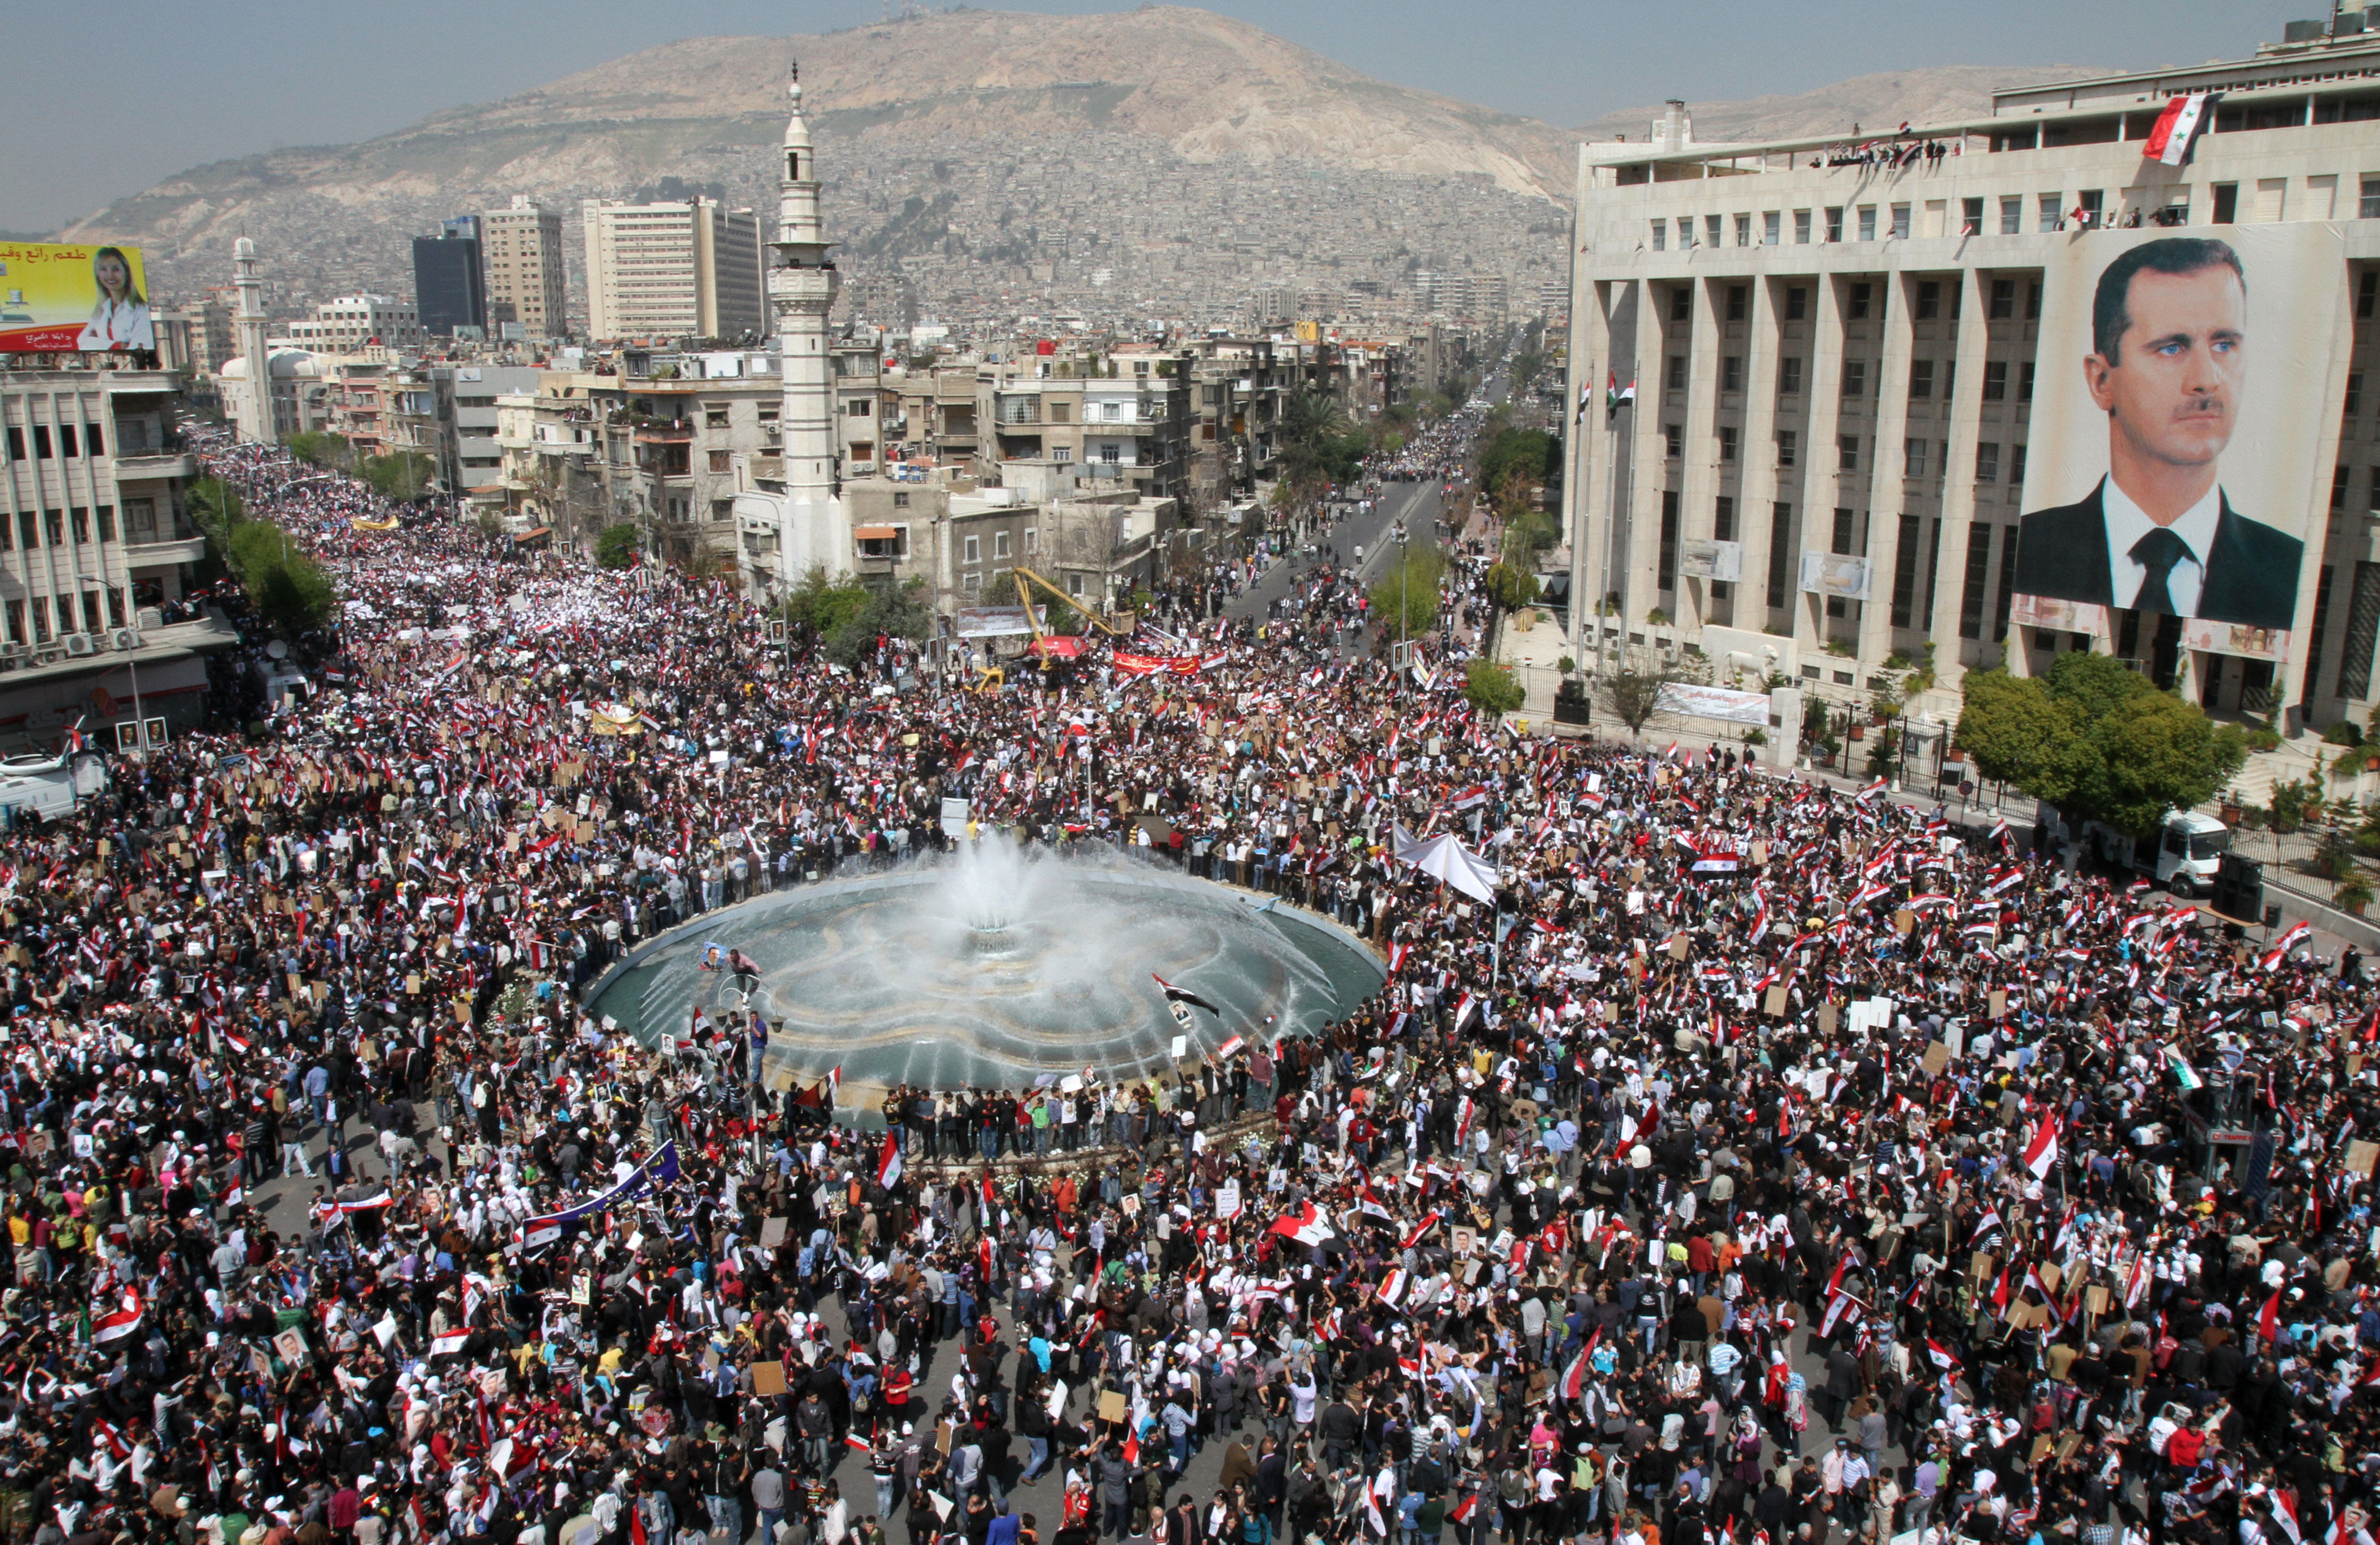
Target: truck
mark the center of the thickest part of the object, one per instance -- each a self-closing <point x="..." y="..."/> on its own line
<point x="47" y="787"/>
<point x="2181" y="852"/>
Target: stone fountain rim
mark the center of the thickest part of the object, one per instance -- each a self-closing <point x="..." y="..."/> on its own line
<point x="1141" y="875"/>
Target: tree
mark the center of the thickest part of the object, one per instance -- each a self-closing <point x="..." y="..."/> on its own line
<point x="1634" y="696"/>
<point x="2097" y="741"/>
<point x="214" y="507"/>
<point x="1511" y="587"/>
<point x="615" y="546"/>
<point x="1405" y="599"/>
<point x="400" y="475"/>
<point x="1491" y="688"/>
<point x="885" y="612"/>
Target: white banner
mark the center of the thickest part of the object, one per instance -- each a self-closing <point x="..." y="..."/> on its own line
<point x="1700" y="702"/>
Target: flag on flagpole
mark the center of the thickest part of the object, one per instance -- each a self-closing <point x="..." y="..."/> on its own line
<point x="1184" y="994"/>
<point x="888" y="1164"/>
<point x="2042" y="1151"/>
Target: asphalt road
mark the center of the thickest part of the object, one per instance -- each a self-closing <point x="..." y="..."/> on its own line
<point x="1415" y="503"/>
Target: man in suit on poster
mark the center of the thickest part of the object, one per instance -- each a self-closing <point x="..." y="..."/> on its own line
<point x="2168" y="365"/>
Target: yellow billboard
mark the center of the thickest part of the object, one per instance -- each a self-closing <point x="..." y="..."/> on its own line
<point x="60" y="300"/>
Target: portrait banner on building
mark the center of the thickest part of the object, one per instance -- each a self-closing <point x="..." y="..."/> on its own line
<point x="1841" y="576"/>
<point x="1718" y="560"/>
<point x="65" y="299"/>
<point x="2184" y="384"/>
<point x="996" y="622"/>
<point x="1701" y="701"/>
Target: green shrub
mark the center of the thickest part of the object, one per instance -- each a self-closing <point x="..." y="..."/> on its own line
<point x="2342" y="733"/>
<point x="615" y="546"/>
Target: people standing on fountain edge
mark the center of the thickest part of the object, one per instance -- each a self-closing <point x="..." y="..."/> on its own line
<point x="1549" y="1242"/>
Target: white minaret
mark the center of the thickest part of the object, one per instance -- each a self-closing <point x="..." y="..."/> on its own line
<point x="812" y="526"/>
<point x="256" y="420"/>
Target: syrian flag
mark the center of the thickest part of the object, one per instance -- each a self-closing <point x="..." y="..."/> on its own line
<point x="1999" y="832"/>
<point x="1394" y="1288"/>
<point x="1943" y="1357"/>
<point x="2269" y="1324"/>
<point x="1476" y="794"/>
<point x="1985" y="1227"/>
<point x="448" y="1343"/>
<point x="2178" y="127"/>
<point x="2042" y="1151"/>
<point x="2297" y="934"/>
<point x="1421" y="1229"/>
<point x="1465" y="1508"/>
<point x="369" y="1205"/>
<point x="888" y="1164"/>
<point x="1397" y="958"/>
<point x="2285" y="1512"/>
<point x="1306" y="1225"/>
<point x="117" y="1323"/>
<point x="1573" y="1384"/>
<point x="1870" y="792"/>
<point x="1368" y="1202"/>
<point x="2012" y="874"/>
<point x="1184" y="994"/>
<point x="1231" y="1047"/>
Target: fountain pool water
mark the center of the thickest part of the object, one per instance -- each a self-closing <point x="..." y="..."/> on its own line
<point x="998" y="967"/>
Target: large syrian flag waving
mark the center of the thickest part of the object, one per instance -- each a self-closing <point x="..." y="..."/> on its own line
<point x="1184" y="994"/>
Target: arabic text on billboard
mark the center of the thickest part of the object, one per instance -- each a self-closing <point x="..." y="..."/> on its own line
<point x="997" y="622"/>
<point x="1700" y="702"/>
<point x="2177" y="427"/>
<point x="58" y="299"/>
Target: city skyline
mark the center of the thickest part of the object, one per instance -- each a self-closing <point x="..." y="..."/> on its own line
<point x="255" y="75"/>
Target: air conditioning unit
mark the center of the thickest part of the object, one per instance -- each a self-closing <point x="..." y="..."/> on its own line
<point x="124" y="638"/>
<point x="79" y="644"/>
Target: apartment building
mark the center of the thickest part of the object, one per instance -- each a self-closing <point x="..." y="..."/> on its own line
<point x="1098" y="544"/>
<point x="95" y="541"/>
<point x="671" y="271"/>
<point x="352" y="323"/>
<point x="526" y="268"/>
<point x="1125" y="421"/>
<point x="1845" y="402"/>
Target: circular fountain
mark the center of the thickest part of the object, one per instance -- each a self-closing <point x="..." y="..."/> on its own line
<point x="998" y="968"/>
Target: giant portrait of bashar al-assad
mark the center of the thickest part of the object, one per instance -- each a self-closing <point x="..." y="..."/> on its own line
<point x="2169" y="372"/>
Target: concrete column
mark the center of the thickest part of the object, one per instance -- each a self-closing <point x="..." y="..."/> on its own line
<point x="1974" y="292"/>
<point x="1698" y="469"/>
<point x="1887" y="492"/>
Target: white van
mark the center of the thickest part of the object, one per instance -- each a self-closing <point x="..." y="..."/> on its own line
<point x="2182" y="853"/>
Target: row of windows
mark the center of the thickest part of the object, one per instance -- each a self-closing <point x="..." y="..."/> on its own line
<point x="974" y="545"/>
<point x="49" y="616"/>
<point x="1916" y="458"/>
<point x="62" y="440"/>
<point x="2007" y="215"/>
<point x="1859" y="301"/>
<point x="32" y="525"/>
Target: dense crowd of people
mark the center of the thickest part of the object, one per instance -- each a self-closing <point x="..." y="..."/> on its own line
<point x="1736" y="1159"/>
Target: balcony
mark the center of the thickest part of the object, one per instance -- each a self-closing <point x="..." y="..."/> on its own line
<point x="164" y="554"/>
<point x="157" y="463"/>
<point x="670" y="433"/>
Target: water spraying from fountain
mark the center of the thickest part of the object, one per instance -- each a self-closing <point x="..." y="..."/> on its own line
<point x="1001" y="967"/>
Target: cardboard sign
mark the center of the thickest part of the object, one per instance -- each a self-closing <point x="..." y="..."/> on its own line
<point x="1938" y="1056"/>
<point x="768" y="1378"/>
<point x="1759" y="854"/>
<point x="772" y="1232"/>
<point x="2361" y="1154"/>
<point x="1999" y="1003"/>
<point x="2096" y="1299"/>
<point x="1772" y="1003"/>
<point x="1828" y="1016"/>
<point x="1678" y="947"/>
<point x="2051" y="1275"/>
<point x="1113" y="1406"/>
<point x="1903" y="921"/>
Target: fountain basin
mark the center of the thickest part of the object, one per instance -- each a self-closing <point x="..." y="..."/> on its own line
<point x="997" y="971"/>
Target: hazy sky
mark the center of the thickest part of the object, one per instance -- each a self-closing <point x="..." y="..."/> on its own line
<point x="98" y="102"/>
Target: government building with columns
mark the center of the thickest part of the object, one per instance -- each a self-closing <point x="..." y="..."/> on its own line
<point x="1840" y="350"/>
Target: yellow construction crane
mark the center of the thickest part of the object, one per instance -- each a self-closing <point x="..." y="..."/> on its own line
<point x="1116" y="628"/>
